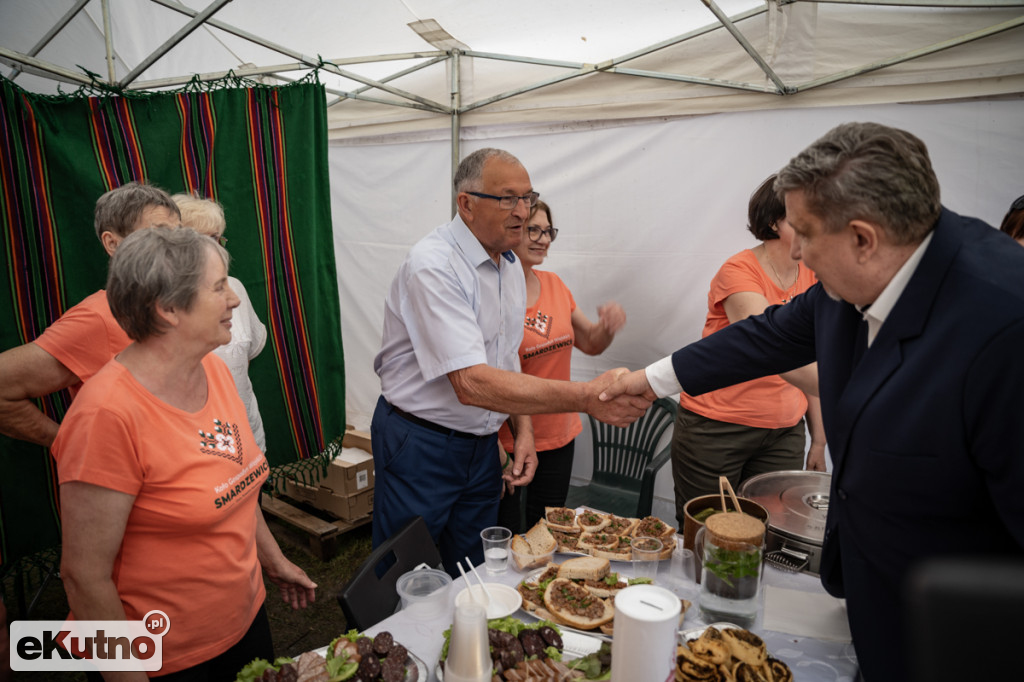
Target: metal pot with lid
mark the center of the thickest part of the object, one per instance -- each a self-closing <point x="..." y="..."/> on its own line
<point x="797" y="502"/>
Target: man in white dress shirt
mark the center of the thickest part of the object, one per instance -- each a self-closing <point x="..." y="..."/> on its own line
<point x="449" y="368"/>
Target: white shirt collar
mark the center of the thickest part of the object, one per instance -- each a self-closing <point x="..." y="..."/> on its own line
<point x="877" y="312"/>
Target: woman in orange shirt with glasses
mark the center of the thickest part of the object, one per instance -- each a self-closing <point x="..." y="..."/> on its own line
<point x="553" y="327"/>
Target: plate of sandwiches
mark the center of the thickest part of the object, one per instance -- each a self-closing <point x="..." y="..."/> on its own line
<point x="607" y="536"/>
<point x="577" y="594"/>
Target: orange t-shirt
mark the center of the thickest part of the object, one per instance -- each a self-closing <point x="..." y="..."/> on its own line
<point x="770" y="402"/>
<point x="546" y="352"/>
<point x="189" y="547"/>
<point x="84" y="338"/>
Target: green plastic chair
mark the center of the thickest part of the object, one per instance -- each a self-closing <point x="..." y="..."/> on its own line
<point x="625" y="463"/>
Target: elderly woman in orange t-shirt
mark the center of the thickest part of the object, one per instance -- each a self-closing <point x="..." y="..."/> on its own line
<point x="553" y="327"/>
<point x="160" y="473"/>
<point x="756" y="426"/>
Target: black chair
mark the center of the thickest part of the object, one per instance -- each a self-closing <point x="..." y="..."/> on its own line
<point x="371" y="596"/>
<point x="626" y="463"/>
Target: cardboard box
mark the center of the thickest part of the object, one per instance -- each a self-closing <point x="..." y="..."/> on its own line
<point x="300" y="491"/>
<point x="356" y="439"/>
<point x="350" y="473"/>
<point x="347" y="508"/>
<point x="346" y="490"/>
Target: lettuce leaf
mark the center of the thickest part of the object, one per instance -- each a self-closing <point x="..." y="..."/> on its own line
<point x="255" y="669"/>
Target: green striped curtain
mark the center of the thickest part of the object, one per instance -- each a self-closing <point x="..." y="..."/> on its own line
<point x="261" y="152"/>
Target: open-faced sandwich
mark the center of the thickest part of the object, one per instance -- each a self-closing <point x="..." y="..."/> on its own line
<point x="590" y="532"/>
<point x="561" y="519"/>
<point x="575" y="606"/>
<point x="620" y="525"/>
<point x="591" y="521"/>
<point x="653" y="527"/>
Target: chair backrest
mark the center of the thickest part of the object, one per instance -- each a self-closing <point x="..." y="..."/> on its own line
<point x="620" y="455"/>
<point x="371" y="596"/>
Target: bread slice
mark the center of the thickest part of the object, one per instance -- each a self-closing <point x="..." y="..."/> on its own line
<point x="562" y="519"/>
<point x="535" y="548"/>
<point x="540" y="539"/>
<point x="584" y="568"/>
<point x="575" y="606"/>
<point x="522" y="555"/>
<point x="591" y="521"/>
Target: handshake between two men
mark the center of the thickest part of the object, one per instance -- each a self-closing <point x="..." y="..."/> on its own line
<point x="622" y="396"/>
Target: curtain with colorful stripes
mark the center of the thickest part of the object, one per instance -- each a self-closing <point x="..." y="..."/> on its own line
<point x="261" y="152"/>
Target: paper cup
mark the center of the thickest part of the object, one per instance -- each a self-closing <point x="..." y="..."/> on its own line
<point x="644" y="645"/>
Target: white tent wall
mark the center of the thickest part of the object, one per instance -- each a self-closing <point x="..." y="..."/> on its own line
<point x="646" y="212"/>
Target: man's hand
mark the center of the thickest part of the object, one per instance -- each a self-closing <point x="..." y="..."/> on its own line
<point x="525" y="463"/>
<point x="620" y="409"/>
<point x="629" y="384"/>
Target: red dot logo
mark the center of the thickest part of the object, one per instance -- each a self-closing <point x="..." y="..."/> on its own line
<point x="156" y="623"/>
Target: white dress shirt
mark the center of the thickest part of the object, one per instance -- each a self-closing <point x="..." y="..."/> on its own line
<point x="450" y="306"/>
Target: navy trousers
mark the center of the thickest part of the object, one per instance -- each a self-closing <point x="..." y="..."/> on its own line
<point x="453" y="482"/>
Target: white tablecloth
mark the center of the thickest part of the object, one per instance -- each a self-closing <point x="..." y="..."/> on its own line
<point x="812" y="660"/>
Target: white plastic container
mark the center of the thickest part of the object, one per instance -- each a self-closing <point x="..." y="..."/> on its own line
<point x="644" y="646"/>
<point x="424" y="593"/>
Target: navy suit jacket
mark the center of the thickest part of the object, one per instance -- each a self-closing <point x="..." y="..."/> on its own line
<point x="925" y="427"/>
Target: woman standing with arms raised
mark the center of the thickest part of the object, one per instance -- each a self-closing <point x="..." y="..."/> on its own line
<point x="554" y="326"/>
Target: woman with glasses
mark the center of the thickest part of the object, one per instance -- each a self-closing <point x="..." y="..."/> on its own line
<point x="756" y="426"/>
<point x="553" y="326"/>
<point x="1013" y="221"/>
<point x="248" y="334"/>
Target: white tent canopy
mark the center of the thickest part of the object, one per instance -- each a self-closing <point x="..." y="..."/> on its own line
<point x="388" y="64"/>
<point x="654" y="122"/>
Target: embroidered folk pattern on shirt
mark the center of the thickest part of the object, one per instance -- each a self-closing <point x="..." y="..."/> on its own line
<point x="225" y="441"/>
<point x="540" y="324"/>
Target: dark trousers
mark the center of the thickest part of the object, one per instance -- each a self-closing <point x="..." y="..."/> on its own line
<point x="549" y="488"/>
<point x="452" y="482"/>
<point x="704" y="449"/>
<point x="255" y="643"/>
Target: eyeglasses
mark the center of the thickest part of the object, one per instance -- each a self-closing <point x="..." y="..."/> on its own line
<point x="536" y="233"/>
<point x="219" y="238"/>
<point x="1018" y="204"/>
<point x="509" y="202"/>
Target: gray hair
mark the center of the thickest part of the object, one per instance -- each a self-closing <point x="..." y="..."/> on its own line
<point x="471" y="170"/>
<point x="160" y="265"/>
<point x="201" y="214"/>
<point x="867" y="171"/>
<point x="120" y="209"/>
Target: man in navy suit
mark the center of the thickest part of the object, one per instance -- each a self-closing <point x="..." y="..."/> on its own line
<point x="917" y="326"/>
